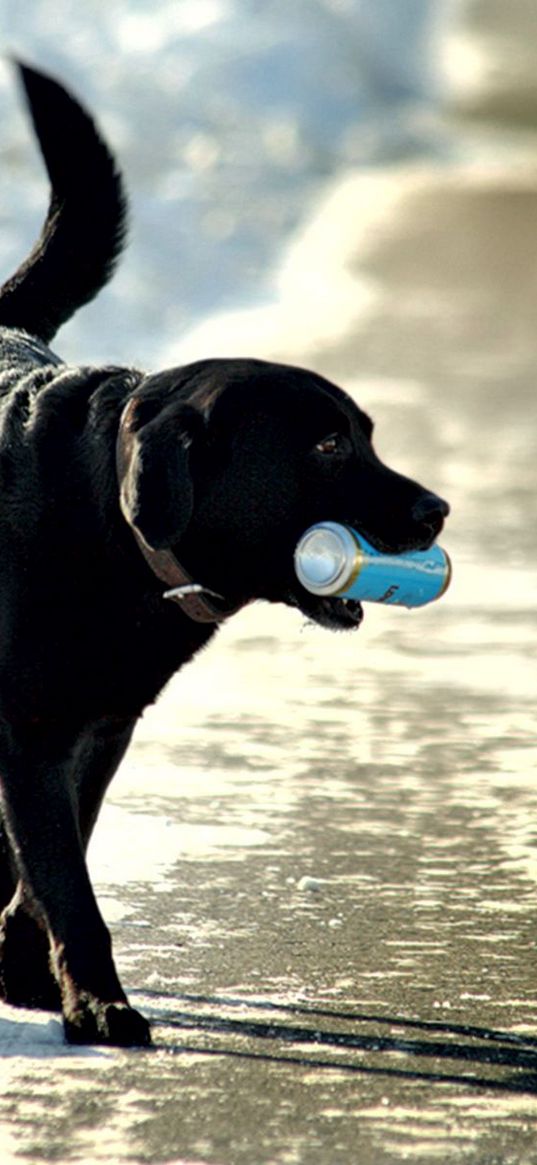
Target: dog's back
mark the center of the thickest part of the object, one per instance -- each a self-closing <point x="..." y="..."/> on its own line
<point x="85" y="226"/>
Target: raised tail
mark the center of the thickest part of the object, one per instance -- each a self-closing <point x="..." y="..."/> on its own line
<point x="84" y="230"/>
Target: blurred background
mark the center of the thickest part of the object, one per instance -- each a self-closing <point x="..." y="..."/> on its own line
<point x="318" y="152"/>
<point x="332" y="182"/>
<point x="350" y="185"/>
<point x="230" y="118"/>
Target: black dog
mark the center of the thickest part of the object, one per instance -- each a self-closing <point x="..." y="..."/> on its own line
<point x="116" y="487"/>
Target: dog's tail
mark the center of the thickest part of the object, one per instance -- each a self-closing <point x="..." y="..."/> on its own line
<point x="84" y="230"/>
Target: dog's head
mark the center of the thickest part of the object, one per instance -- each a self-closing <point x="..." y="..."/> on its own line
<point x="232" y="460"/>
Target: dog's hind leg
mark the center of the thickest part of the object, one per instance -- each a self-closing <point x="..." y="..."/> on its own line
<point x="26" y="975"/>
<point x="26" y="978"/>
<point x="8" y="869"/>
<point x="41" y="816"/>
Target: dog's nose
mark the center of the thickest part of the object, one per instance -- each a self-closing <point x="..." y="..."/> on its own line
<point x="429" y="511"/>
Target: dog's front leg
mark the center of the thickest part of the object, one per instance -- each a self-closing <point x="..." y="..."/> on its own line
<point x="40" y="814"/>
<point x="99" y="750"/>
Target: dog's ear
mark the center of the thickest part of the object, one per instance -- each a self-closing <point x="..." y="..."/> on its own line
<point x="155" y="454"/>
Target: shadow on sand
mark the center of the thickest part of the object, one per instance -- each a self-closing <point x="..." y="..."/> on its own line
<point x="506" y="1061"/>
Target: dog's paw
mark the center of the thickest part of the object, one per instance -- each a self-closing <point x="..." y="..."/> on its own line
<point x="117" y="1024"/>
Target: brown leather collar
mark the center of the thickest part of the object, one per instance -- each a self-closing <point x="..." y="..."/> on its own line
<point x="198" y="602"/>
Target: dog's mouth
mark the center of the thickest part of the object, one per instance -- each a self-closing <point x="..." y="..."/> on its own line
<point x="331" y="612"/>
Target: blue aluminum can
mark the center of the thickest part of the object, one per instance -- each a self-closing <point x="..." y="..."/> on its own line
<point x="332" y="559"/>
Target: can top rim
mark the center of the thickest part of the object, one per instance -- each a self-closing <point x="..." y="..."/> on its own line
<point x="325" y="557"/>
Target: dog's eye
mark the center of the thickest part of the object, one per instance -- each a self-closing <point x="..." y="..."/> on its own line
<point x="330" y="445"/>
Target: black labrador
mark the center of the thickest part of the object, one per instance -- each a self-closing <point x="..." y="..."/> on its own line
<point x="137" y="512"/>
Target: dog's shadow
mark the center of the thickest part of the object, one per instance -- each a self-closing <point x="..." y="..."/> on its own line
<point x="305" y="1036"/>
<point x="345" y="1041"/>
